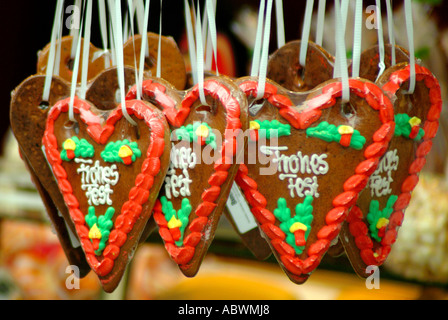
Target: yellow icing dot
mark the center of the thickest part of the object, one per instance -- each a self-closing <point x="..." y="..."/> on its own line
<point x="125" y="151"/>
<point x="254" y="125"/>
<point x="297" y="226"/>
<point x="414" y="121"/>
<point x="174" y="223"/>
<point x="69" y="144"/>
<point x="345" y="130"/>
<point x="382" y="222"/>
<point x="94" y="232"/>
<point x="202" y="131"/>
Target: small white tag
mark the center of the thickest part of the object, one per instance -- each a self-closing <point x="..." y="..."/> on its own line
<point x="240" y="211"/>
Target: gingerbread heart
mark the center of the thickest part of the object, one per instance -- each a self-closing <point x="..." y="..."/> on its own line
<point x="97" y="60"/>
<point x="372" y="225"/>
<point x="172" y="65"/>
<point x="203" y="163"/>
<point x="301" y="186"/>
<point x="284" y="67"/>
<point x="109" y="174"/>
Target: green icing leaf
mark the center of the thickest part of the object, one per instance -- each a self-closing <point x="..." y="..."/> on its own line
<point x="269" y="129"/>
<point x="403" y="127"/>
<point x="189" y="134"/>
<point x="104" y="224"/>
<point x="83" y="149"/>
<point x="330" y="133"/>
<point x="183" y="215"/>
<point x="303" y="215"/>
<point x="375" y="214"/>
<point x="110" y="153"/>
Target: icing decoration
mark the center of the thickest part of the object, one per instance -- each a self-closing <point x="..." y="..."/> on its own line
<point x="75" y="148"/>
<point x="341" y="203"/>
<point x="379" y="185"/>
<point x="181" y="158"/>
<point x="177" y="221"/>
<point x="268" y="129"/>
<point x="289" y="167"/>
<point x="408" y="127"/>
<point x="121" y="151"/>
<point x="357" y="227"/>
<point x="200" y="133"/>
<point x="97" y="180"/>
<point x="379" y="219"/>
<point x="298" y="227"/>
<point x="343" y="134"/>
<point x="100" y="227"/>
<point x="131" y="210"/>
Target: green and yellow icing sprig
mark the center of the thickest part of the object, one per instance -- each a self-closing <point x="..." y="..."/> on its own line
<point x="121" y="151"/>
<point x="177" y="221"/>
<point x="345" y="135"/>
<point x="198" y="132"/>
<point x="99" y="228"/>
<point x="296" y="228"/>
<point x="379" y="219"/>
<point x="268" y="129"/>
<point x="76" y="148"/>
<point x="408" y="127"/>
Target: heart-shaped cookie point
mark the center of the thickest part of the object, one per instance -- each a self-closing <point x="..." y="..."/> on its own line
<point x="97" y="60"/>
<point x="285" y="69"/>
<point x="302" y="186"/>
<point x="372" y="225"/>
<point x="109" y="173"/>
<point x="206" y="142"/>
<point x="172" y="66"/>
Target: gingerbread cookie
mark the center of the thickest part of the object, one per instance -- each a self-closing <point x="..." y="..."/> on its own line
<point x="97" y="60"/>
<point x="206" y="141"/>
<point x="109" y="173"/>
<point x="173" y="65"/>
<point x="372" y="225"/>
<point x="301" y="187"/>
<point x="285" y="69"/>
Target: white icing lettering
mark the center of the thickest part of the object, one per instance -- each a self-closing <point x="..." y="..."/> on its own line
<point x="182" y="158"/>
<point x="381" y="185"/>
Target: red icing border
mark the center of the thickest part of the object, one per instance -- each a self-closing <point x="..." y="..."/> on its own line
<point x="138" y="195"/>
<point x="341" y="203"/>
<point x="156" y="93"/>
<point x="357" y="226"/>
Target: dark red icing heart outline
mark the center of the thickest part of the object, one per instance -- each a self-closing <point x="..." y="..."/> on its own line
<point x="352" y="186"/>
<point x="176" y="117"/>
<point x="138" y="195"/>
<point x="357" y="226"/>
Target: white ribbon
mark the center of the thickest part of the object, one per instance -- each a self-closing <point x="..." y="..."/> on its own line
<point x="381" y="64"/>
<point x="320" y="22"/>
<point x="103" y="30"/>
<point x="191" y="42"/>
<point x="410" y="34"/>
<point x="265" y="52"/>
<point x="74" y="82"/>
<point x="86" y="51"/>
<point x="390" y="26"/>
<point x="258" y="41"/>
<point x="341" y="59"/>
<point x="357" y="39"/>
<point x="51" y="55"/>
<point x="142" y="49"/>
<point x="200" y="57"/>
<point x="74" y="32"/>
<point x="159" y="47"/>
<point x="306" y="32"/>
<point x="280" y="23"/>
<point x="212" y="45"/>
<point x="118" y="36"/>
